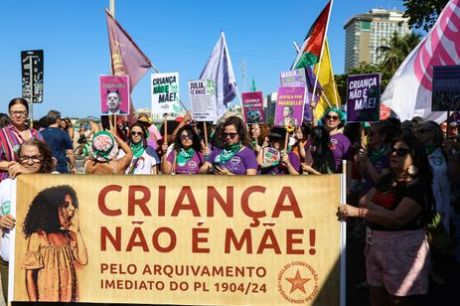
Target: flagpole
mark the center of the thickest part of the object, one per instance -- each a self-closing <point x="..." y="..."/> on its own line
<point x="322" y="51"/>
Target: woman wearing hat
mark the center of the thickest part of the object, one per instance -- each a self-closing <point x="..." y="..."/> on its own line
<point x="153" y="135"/>
<point x="103" y="151"/>
<point x="275" y="159"/>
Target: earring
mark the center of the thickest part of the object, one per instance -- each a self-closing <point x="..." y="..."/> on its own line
<point x="412" y="170"/>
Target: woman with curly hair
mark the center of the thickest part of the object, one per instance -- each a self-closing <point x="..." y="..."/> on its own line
<point x="34" y="157"/>
<point x="145" y="159"/>
<point x="234" y="154"/>
<point x="54" y="246"/>
<point x="186" y="156"/>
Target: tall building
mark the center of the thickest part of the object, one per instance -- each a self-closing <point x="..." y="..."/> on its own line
<point x="364" y="33"/>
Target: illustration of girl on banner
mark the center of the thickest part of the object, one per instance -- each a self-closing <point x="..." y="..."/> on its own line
<point x="54" y="246"/>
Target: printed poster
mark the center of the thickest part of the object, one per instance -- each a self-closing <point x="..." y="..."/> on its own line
<point x="32" y="75"/>
<point x="165" y="96"/>
<point x="290" y="107"/>
<point x="203" y="100"/>
<point x="253" y="107"/>
<point x="363" y="97"/>
<point x="114" y="94"/>
<point x="177" y="240"/>
<point x="446" y="88"/>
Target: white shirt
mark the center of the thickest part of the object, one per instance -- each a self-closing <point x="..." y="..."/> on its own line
<point x="7" y="207"/>
<point x="145" y="163"/>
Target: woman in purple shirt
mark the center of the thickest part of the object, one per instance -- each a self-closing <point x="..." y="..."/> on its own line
<point x="186" y="157"/>
<point x="235" y="156"/>
<point x="334" y="120"/>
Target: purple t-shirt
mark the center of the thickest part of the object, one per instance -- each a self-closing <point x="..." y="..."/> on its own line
<point x="239" y="163"/>
<point x="281" y="169"/>
<point x="191" y="167"/>
<point x="340" y="146"/>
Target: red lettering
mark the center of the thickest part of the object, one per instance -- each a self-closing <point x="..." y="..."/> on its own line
<point x="186" y="191"/>
<point x="269" y="241"/>
<point x="137" y="233"/>
<point x="116" y="241"/>
<point x="172" y="242"/>
<point x="141" y="202"/>
<point x="245" y="202"/>
<point x="290" y="241"/>
<point x="292" y="204"/>
<point x="227" y="206"/>
<point x="230" y="239"/>
<point x="196" y="239"/>
<point x="101" y="201"/>
<point x="161" y="201"/>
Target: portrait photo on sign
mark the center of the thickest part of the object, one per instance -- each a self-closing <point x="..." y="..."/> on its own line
<point x="114" y="95"/>
<point x="55" y="246"/>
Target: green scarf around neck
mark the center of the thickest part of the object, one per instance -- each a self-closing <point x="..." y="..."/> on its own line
<point x="183" y="156"/>
<point x="227" y="153"/>
<point x="138" y="149"/>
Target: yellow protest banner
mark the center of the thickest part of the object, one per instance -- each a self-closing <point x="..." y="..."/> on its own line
<point x="207" y="240"/>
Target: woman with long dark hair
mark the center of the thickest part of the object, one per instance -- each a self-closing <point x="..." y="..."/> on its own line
<point x="186" y="156"/>
<point x="234" y="154"/>
<point x="319" y="155"/>
<point x="396" y="209"/>
<point x="54" y="246"/>
<point x="145" y="159"/>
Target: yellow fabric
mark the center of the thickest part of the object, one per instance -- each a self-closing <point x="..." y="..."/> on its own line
<point x="327" y="81"/>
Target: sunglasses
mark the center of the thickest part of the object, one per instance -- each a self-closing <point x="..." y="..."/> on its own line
<point x="401" y="152"/>
<point x="134" y="133"/>
<point x="184" y="137"/>
<point x="333" y="118"/>
<point x="231" y="135"/>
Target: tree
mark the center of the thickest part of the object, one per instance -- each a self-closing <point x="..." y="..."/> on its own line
<point x="423" y="13"/>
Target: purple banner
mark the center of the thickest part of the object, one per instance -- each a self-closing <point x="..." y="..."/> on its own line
<point x="363" y="95"/>
<point x="290" y="106"/>
<point x="253" y="107"/>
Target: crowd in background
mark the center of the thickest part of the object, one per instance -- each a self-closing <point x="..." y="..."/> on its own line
<point x="404" y="177"/>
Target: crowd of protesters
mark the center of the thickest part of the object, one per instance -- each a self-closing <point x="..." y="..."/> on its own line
<point x="404" y="177"/>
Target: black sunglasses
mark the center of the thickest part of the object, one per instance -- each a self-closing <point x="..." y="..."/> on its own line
<point x="134" y="133"/>
<point x="231" y="135"/>
<point x="401" y="152"/>
<point x="334" y="118"/>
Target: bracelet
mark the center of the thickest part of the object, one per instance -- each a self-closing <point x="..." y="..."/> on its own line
<point x="361" y="213"/>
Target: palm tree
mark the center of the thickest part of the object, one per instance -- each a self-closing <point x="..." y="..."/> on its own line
<point x="395" y="50"/>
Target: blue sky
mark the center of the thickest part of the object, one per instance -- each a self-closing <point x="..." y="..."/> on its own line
<point x="177" y="36"/>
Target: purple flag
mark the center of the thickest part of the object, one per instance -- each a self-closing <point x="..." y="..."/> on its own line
<point x="127" y="58"/>
<point x="219" y="69"/>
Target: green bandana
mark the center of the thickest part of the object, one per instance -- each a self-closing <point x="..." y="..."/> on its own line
<point x="183" y="156"/>
<point x="227" y="154"/>
<point x="138" y="149"/>
<point x="376" y="154"/>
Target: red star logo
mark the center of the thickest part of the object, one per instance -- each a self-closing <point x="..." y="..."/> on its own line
<point x="297" y="282"/>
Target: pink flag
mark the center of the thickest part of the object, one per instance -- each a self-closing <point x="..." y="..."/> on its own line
<point x="409" y="92"/>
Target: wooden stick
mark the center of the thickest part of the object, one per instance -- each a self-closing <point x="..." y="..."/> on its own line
<point x="205" y="131"/>
<point x="165" y="125"/>
<point x="286" y="140"/>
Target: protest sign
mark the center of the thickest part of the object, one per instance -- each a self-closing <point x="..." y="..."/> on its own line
<point x="114" y="93"/>
<point x="177" y="240"/>
<point x="290" y="106"/>
<point x="446" y="88"/>
<point x="293" y="78"/>
<point x="363" y="95"/>
<point x="165" y="95"/>
<point x="253" y="107"/>
<point x="32" y="75"/>
<point x="203" y="100"/>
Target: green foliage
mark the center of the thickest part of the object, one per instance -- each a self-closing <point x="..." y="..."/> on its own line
<point x="423" y="13"/>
